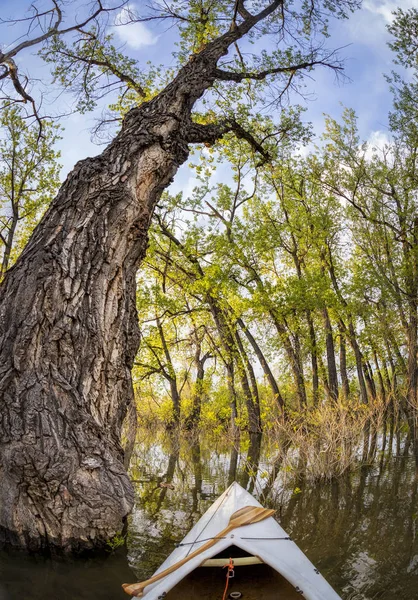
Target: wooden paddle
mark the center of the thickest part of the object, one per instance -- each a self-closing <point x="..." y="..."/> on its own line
<point x="243" y="516"/>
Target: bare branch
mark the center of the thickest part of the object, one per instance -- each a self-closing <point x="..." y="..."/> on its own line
<point x="238" y="77"/>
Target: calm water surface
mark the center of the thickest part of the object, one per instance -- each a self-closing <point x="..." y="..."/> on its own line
<point x="359" y="530"/>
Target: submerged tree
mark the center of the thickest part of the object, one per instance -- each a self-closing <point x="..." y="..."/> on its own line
<point x="68" y="321"/>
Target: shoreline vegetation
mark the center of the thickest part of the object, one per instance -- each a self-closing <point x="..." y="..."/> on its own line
<point x="322" y="443"/>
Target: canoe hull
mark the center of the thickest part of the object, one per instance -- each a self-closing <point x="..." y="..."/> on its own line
<point x="266" y="539"/>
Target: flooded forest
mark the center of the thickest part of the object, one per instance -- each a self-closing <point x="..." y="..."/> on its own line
<point x="225" y="291"/>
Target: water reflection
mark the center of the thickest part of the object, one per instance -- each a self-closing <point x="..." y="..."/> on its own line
<point x="359" y="530"/>
<point x="36" y="578"/>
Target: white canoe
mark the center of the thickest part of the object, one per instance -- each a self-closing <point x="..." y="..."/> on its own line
<point x="280" y="571"/>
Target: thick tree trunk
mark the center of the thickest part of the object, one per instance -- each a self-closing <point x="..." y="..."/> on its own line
<point x="69" y="334"/>
<point x="130" y="429"/>
<point x="68" y="337"/>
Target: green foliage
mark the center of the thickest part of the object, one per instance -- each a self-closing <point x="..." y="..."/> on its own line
<point x="29" y="178"/>
<point x="115" y="542"/>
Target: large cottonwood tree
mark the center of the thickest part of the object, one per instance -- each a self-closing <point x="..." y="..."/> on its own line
<point x="68" y="321"/>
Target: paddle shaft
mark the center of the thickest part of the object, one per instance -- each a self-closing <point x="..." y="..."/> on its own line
<point x="244" y="516"/>
<point x="136" y="589"/>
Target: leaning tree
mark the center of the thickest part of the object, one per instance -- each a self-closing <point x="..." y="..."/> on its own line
<point x="68" y="320"/>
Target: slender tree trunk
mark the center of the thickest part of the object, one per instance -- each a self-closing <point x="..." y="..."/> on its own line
<point x="294" y="359"/>
<point x="368" y="375"/>
<point x="394" y="382"/>
<point x="345" y="385"/>
<point x="9" y="243"/>
<point x="380" y="376"/>
<point x="332" y="367"/>
<point x="198" y="474"/>
<point x="359" y="363"/>
<point x="170" y="374"/>
<point x="228" y="344"/>
<point x="324" y="378"/>
<point x="351" y="331"/>
<point x="252" y="462"/>
<point x="264" y="365"/>
<point x="386" y="377"/>
<point x="198" y="392"/>
<point x="314" y="357"/>
<point x="412" y="375"/>
<point x="412" y="357"/>
<point x="252" y="399"/>
<point x="233" y="461"/>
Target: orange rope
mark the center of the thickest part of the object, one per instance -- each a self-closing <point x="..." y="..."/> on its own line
<point x="228" y="576"/>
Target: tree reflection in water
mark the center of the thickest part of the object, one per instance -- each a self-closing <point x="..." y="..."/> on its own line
<point x="359" y="529"/>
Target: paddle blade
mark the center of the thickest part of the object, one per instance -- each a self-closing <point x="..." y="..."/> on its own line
<point x="133" y="589"/>
<point x="250" y="514"/>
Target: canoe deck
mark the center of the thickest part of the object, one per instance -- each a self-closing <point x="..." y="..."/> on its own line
<point x="255" y="582"/>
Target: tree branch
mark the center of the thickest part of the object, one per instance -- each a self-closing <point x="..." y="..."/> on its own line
<point x="111" y="67"/>
<point x="198" y="133"/>
<point x="238" y="77"/>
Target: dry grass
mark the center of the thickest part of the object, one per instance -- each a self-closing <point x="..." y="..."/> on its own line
<point x="328" y="440"/>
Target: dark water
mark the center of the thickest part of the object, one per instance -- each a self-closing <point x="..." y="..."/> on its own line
<point x="359" y="529"/>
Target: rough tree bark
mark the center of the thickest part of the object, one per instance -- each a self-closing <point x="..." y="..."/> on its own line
<point x="68" y="324"/>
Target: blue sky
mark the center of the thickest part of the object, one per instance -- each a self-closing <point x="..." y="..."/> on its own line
<point x="366" y="54"/>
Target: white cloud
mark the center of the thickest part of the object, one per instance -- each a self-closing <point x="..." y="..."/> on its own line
<point x="378" y="139"/>
<point x="385" y="8"/>
<point x="368" y="26"/>
<point x="135" y="35"/>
